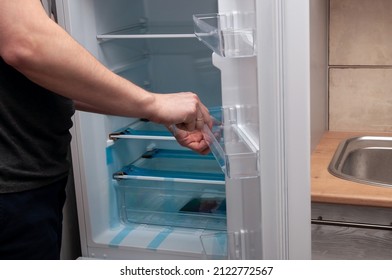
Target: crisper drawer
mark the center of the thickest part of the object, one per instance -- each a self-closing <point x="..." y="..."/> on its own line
<point x="171" y="203"/>
<point x="176" y="188"/>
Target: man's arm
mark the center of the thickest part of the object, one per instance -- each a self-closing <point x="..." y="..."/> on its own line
<point x="40" y="49"/>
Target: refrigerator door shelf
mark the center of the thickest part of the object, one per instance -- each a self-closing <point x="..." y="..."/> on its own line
<point x="228" y="35"/>
<point x="226" y="245"/>
<point x="232" y="143"/>
<point x="173" y="204"/>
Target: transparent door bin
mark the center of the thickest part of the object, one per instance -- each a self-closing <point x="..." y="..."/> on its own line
<point x="228" y="35"/>
<point x="225" y="245"/>
<point x="231" y="143"/>
<point x="175" y="204"/>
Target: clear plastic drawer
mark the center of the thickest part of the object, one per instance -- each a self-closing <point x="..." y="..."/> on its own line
<point x="171" y="203"/>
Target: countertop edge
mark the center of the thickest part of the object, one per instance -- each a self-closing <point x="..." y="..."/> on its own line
<point x="326" y="188"/>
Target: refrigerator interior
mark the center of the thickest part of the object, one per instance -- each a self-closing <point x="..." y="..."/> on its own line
<point x="142" y="195"/>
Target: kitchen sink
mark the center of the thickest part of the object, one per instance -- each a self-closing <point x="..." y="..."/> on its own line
<point x="366" y="159"/>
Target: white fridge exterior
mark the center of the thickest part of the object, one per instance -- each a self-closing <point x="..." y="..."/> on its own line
<point x="268" y="216"/>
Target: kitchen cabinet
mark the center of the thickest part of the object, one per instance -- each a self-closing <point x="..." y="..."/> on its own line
<point x="341" y="231"/>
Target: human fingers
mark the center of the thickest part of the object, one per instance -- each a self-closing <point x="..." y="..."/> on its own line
<point x="199" y="123"/>
<point x="194" y="119"/>
<point x="206" y="115"/>
<point x="188" y="125"/>
<point x="186" y="111"/>
<point x="203" y="117"/>
<point x="193" y="140"/>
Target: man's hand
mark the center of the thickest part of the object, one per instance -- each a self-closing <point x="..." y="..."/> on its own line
<point x="184" y="109"/>
<point x="193" y="140"/>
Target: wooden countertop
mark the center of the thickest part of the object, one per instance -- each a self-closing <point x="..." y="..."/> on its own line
<point x="330" y="189"/>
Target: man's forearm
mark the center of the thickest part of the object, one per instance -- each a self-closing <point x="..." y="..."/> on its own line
<point x="51" y="58"/>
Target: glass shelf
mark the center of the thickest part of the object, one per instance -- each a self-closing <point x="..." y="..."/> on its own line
<point x="228" y="35"/>
<point x="144" y="31"/>
<point x="174" y="165"/>
<point x="231" y="141"/>
<point x="143" y="129"/>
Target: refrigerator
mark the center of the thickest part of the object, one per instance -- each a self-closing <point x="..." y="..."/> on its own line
<point x="139" y="194"/>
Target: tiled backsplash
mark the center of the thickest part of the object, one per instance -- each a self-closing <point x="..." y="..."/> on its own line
<point x="360" y="61"/>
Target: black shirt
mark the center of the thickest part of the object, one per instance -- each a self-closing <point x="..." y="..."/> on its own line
<point x="34" y="133"/>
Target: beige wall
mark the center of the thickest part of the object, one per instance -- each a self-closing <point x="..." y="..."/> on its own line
<point x="360" y="65"/>
<point x="318" y="70"/>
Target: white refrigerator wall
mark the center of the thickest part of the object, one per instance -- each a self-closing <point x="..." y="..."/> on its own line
<point x="284" y="93"/>
<point x="158" y="64"/>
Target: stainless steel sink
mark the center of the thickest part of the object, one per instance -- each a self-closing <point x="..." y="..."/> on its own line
<point x="366" y="159"/>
